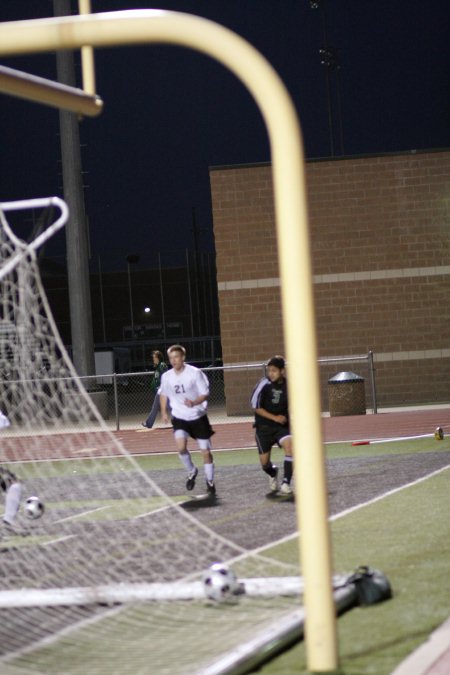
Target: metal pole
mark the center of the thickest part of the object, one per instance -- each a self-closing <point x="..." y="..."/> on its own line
<point x="211" y="301"/>
<point x="189" y="292"/>
<point x="372" y="383"/>
<point x="163" y="315"/>
<point x="203" y="273"/>
<point x="102" y="304"/>
<point x="87" y="54"/>
<point x="197" y="295"/>
<point x="339" y="104"/>
<point x="76" y="231"/>
<point x="327" y="77"/>
<point x="130" y="297"/>
<point x="116" y="402"/>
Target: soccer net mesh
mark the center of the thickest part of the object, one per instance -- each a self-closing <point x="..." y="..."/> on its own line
<point x="110" y="578"/>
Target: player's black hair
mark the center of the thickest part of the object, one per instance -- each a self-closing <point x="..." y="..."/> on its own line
<point x="277" y="361"/>
<point x="6" y="478"/>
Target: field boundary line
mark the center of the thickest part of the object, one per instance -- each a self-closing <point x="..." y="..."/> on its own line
<point x="84" y="513"/>
<point x="356" y="507"/>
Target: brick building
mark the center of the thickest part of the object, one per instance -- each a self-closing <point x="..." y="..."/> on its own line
<point x="380" y="232"/>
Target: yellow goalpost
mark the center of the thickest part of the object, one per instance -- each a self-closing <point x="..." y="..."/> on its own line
<point x="88" y="31"/>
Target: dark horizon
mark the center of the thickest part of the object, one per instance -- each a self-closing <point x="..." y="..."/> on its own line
<point x="168" y="119"/>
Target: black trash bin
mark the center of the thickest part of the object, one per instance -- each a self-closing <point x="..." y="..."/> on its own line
<point x="346" y="394"/>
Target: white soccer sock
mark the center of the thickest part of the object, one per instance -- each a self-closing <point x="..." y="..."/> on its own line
<point x="187" y="461"/>
<point x="12" y="502"/>
<point x="209" y="471"/>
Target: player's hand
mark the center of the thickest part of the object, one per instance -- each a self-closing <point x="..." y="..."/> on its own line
<point x="281" y="419"/>
<point x="188" y="403"/>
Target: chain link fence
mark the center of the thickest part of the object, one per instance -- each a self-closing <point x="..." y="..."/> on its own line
<point x="125" y="399"/>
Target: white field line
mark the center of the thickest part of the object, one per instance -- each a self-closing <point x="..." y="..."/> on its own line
<point x="84" y="622"/>
<point x="354" y="508"/>
<point x="151" y="513"/>
<point x="134" y="455"/>
<point x="59" y="540"/>
<point x="84" y="513"/>
<point x="80" y="450"/>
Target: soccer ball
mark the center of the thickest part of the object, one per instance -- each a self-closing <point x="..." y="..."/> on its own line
<point x="34" y="508"/>
<point x="220" y="583"/>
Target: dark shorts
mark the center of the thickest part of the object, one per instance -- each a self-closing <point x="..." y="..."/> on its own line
<point x="267" y="436"/>
<point x="199" y="428"/>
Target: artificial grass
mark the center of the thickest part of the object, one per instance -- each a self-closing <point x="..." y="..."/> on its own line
<point x="407" y="536"/>
<point x="235" y="457"/>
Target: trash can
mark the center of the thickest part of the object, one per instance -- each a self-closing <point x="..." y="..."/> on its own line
<point x="346" y="394"/>
<point x="100" y="400"/>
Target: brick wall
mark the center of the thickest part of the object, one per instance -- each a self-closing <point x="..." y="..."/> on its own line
<point x="380" y="234"/>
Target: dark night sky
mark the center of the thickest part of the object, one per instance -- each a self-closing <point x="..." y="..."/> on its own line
<point x="171" y="113"/>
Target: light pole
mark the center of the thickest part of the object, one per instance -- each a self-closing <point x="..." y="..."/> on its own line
<point x="329" y="57"/>
<point x="131" y="259"/>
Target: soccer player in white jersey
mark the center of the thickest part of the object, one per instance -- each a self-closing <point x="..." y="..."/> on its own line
<point x="12" y="488"/>
<point x="187" y="389"/>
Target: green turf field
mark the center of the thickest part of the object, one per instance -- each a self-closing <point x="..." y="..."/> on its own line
<point x="407" y="536"/>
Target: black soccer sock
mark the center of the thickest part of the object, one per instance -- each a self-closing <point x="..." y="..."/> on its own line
<point x="288" y="467"/>
<point x="270" y="469"/>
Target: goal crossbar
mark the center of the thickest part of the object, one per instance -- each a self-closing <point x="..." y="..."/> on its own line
<point x="55" y="94"/>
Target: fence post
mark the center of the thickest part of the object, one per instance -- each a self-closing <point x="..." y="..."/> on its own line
<point x="372" y="382"/>
<point x="116" y="402"/>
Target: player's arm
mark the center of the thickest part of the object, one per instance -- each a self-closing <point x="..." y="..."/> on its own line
<point x="196" y="401"/>
<point x="163" y="406"/>
<point x="203" y="391"/>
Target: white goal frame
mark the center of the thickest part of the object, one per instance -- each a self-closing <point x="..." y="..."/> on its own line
<point x="275" y="104"/>
<point x="24" y="249"/>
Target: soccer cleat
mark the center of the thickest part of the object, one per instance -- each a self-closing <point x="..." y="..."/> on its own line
<point x="273" y="481"/>
<point x="286" y="489"/>
<point x="190" y="483"/>
<point x="211" y="488"/>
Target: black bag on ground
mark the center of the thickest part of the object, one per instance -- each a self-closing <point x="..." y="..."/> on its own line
<point x="371" y="585"/>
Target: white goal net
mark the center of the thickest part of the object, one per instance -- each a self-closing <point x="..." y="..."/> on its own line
<point x="109" y="579"/>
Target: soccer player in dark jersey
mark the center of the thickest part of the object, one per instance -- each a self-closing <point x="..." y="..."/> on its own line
<point x="270" y="403"/>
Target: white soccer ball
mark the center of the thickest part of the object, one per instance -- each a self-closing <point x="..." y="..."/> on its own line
<point x="34" y="508"/>
<point x="220" y="583"/>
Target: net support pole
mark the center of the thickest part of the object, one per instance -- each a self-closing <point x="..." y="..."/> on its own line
<point x="54" y="94"/>
<point x="277" y="109"/>
<point x="87" y="55"/>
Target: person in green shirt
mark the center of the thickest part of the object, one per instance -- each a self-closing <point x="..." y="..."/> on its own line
<point x="159" y="367"/>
